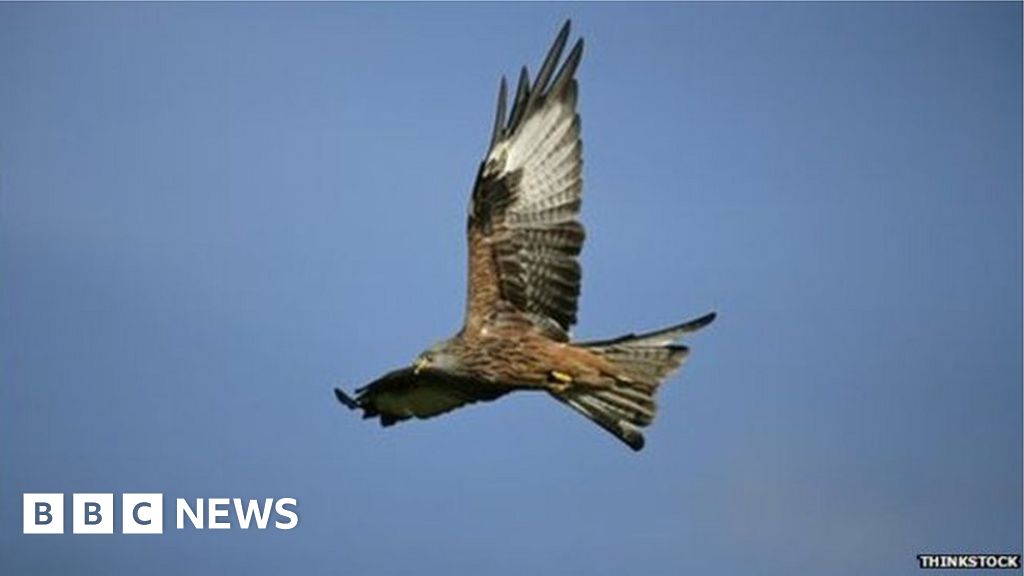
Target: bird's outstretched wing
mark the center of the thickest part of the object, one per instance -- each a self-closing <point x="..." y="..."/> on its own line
<point x="523" y="232"/>
<point x="407" y="393"/>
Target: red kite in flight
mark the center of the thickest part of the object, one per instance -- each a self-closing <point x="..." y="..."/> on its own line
<point x="524" y="281"/>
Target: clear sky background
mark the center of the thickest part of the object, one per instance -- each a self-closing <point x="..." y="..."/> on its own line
<point x="210" y="215"/>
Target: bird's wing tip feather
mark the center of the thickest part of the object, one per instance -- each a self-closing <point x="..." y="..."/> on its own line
<point x="345" y="399"/>
<point x="705" y="319"/>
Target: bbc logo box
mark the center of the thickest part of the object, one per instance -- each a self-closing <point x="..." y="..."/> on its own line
<point x="93" y="513"/>
<point x="43" y="514"/>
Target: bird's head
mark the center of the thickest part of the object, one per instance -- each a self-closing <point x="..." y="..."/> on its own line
<point x="440" y="356"/>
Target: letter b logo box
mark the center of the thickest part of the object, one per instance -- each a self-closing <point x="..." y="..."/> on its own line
<point x="43" y="513"/>
<point x="92" y="513"/>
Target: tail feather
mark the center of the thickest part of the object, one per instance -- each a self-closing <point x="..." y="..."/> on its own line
<point x="662" y="337"/>
<point x="644" y="361"/>
<point x="606" y="418"/>
<point x="637" y="408"/>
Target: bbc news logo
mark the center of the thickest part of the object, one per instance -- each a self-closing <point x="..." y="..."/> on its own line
<point x="144" y="513"/>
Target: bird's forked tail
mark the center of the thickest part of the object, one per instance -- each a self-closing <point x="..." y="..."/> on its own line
<point x="644" y="362"/>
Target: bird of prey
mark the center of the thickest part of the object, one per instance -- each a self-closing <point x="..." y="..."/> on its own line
<point x="524" y="280"/>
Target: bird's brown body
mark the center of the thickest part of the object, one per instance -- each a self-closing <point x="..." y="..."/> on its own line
<point x="524" y="239"/>
<point x="529" y="359"/>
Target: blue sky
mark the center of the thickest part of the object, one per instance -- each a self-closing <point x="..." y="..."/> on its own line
<point x="212" y="214"/>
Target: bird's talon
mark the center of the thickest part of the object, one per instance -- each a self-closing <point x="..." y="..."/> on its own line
<point x="561" y="377"/>
<point x="562" y="381"/>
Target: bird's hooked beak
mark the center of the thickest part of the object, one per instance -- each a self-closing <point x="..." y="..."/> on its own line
<point x="419" y="364"/>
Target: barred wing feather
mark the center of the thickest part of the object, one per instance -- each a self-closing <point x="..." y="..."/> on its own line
<point x="523" y="232"/>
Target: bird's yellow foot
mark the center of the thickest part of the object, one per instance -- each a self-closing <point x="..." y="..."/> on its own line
<point x="562" y="381"/>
